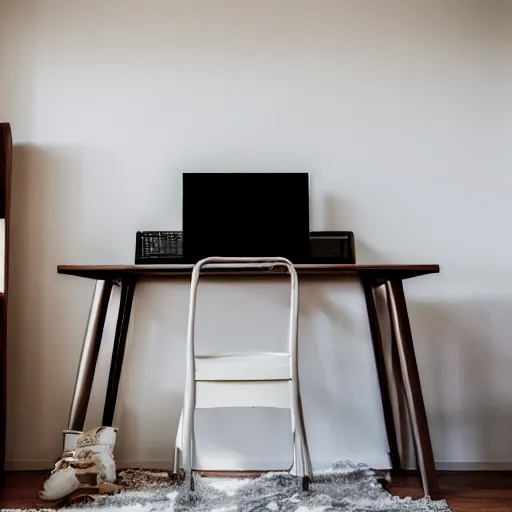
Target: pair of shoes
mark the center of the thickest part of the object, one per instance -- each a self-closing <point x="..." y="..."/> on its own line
<point x="86" y="463"/>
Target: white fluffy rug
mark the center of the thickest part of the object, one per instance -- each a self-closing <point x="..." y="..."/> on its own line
<point x="345" y="487"/>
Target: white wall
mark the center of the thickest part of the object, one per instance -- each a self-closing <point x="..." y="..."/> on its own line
<point x="400" y="110"/>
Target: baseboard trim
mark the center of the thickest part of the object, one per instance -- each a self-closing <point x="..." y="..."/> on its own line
<point x="166" y="465"/>
<point x="28" y="465"/>
<point x="474" y="466"/>
<point x="38" y="465"/>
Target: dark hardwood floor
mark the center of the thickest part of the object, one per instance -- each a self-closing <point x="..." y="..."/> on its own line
<point x="464" y="491"/>
<point x="20" y="489"/>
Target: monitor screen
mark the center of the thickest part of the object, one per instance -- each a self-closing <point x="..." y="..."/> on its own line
<point x="246" y="215"/>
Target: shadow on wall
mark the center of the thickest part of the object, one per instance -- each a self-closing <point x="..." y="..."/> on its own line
<point x="466" y="377"/>
<point x="46" y="194"/>
<point x="55" y="220"/>
<point x="153" y="377"/>
<point x="464" y="367"/>
<point x="337" y="376"/>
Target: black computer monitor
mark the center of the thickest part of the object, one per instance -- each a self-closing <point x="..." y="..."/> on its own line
<point x="246" y="215"/>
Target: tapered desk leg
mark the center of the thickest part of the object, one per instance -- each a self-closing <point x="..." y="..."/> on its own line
<point x="123" y="321"/>
<point x="89" y="357"/>
<point x="411" y="380"/>
<point x="383" y="375"/>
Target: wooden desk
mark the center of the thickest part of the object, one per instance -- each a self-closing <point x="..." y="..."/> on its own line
<point x="404" y="378"/>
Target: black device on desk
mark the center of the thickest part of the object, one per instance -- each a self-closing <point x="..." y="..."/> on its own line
<point x="246" y="215"/>
<point x="335" y="247"/>
<point x="158" y="247"/>
<point x="164" y="247"/>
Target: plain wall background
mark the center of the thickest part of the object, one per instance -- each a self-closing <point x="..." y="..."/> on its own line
<point x="401" y="112"/>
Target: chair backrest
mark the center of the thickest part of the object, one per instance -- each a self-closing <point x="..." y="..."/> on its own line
<point x="223" y="262"/>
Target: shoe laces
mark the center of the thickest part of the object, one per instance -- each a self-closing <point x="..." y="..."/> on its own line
<point x="69" y="457"/>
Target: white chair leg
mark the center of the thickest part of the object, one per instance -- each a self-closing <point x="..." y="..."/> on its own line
<point x="177" y="460"/>
<point x="301" y="460"/>
<point x="190" y="387"/>
<point x="188" y="433"/>
<point x="178" y="445"/>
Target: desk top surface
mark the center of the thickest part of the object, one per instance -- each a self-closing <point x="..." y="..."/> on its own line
<point x="374" y="272"/>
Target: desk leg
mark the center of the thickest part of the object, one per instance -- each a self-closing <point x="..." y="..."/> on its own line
<point x="123" y="321"/>
<point x="383" y="375"/>
<point x="411" y="380"/>
<point x="89" y="357"/>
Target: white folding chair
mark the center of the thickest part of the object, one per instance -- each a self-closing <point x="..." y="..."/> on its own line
<point x="246" y="379"/>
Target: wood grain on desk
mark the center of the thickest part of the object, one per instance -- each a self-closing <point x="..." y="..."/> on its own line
<point x="373" y="272"/>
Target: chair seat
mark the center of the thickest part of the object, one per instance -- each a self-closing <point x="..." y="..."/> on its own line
<point x="213" y="394"/>
<point x="244" y="366"/>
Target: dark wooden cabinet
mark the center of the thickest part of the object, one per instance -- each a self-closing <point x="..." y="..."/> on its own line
<point x="5" y="203"/>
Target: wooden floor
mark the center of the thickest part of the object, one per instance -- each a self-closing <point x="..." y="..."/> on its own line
<point x="464" y="491"/>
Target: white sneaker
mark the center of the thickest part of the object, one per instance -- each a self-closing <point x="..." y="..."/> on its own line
<point x="70" y="439"/>
<point x="89" y="463"/>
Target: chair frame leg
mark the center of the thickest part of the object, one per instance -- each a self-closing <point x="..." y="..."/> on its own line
<point x="177" y="459"/>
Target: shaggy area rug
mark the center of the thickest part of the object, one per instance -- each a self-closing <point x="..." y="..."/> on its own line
<point x="345" y="487"/>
